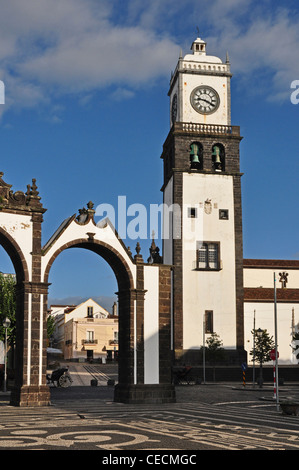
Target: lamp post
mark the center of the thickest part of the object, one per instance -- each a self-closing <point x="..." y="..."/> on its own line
<point x="259" y="334"/>
<point x="6" y="325"/>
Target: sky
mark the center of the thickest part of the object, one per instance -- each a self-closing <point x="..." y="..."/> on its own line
<point x="86" y="113"/>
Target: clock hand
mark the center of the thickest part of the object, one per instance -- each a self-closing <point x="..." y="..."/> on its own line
<point x="207" y="101"/>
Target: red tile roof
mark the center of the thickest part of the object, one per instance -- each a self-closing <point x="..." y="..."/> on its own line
<point x="271" y="263"/>
<point x="261" y="294"/>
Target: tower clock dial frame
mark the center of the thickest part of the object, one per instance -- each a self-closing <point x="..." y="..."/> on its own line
<point x="204" y="99"/>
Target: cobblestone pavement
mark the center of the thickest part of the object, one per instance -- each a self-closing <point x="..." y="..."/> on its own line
<point x="220" y="416"/>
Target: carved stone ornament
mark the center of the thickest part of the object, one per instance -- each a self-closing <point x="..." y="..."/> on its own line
<point x="283" y="279"/>
<point x="208" y="206"/>
<point x="19" y="200"/>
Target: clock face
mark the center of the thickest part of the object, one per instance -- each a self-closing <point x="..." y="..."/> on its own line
<point x="174" y="108"/>
<point x="205" y="100"/>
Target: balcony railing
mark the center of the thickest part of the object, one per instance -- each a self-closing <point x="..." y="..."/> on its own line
<point x="89" y="341"/>
<point x="207" y="128"/>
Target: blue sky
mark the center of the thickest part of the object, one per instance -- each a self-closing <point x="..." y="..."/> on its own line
<point x="86" y="112"/>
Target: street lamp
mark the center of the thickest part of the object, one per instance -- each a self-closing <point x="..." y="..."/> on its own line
<point x="259" y="334"/>
<point x="6" y="325"/>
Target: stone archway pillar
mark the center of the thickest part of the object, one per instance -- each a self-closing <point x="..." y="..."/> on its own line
<point x="133" y="388"/>
<point x="30" y="388"/>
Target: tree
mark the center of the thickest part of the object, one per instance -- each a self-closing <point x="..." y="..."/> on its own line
<point x="214" y="350"/>
<point x="263" y="344"/>
<point x="8" y="308"/>
<point x="8" y="305"/>
<point x="50" y="326"/>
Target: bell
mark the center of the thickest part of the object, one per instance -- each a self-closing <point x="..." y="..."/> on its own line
<point x="216" y="154"/>
<point x="195" y="159"/>
<point x="194" y="153"/>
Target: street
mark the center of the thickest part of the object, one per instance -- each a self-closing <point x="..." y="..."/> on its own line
<point x="212" y="416"/>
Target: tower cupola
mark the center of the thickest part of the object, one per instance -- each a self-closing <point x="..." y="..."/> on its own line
<point x="199" y="47"/>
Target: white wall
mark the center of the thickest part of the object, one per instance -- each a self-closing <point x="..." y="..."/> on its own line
<point x="257" y="277"/>
<point x="264" y="319"/>
<point x="151" y="325"/>
<point x="19" y="227"/>
<point x="81" y="310"/>
<point x="193" y="71"/>
<point x="209" y="290"/>
<point x="74" y="231"/>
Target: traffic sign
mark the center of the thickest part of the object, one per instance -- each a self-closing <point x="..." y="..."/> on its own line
<point x="273" y="355"/>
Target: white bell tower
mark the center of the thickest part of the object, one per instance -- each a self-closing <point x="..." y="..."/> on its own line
<point x="200" y="88"/>
<point x="202" y="178"/>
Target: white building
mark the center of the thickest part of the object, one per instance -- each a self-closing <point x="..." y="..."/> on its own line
<point x="85" y="332"/>
<point x="202" y="178"/>
<point x="259" y="303"/>
<point x="213" y="289"/>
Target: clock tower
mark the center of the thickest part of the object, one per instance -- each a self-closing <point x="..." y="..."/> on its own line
<point x="202" y="221"/>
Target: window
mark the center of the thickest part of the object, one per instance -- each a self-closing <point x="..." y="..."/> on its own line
<point x="223" y="214"/>
<point x="115" y="334"/>
<point x="208" y="255"/>
<point x="192" y="212"/>
<point x="90" y="336"/>
<point x="208" y="321"/>
<point x="90" y="312"/>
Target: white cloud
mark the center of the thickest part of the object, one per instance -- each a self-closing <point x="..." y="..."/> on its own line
<point x="266" y="46"/>
<point x="122" y="94"/>
<point x="51" y="47"/>
<point x="114" y="55"/>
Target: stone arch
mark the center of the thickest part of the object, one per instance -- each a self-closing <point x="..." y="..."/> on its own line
<point x="144" y="293"/>
<point x="127" y="295"/>
<point x="22" y="280"/>
<point x="16" y="255"/>
<point x="114" y="259"/>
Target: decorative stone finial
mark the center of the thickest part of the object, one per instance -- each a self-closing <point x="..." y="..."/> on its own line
<point x="86" y="214"/>
<point x="154" y="252"/>
<point x="138" y="257"/>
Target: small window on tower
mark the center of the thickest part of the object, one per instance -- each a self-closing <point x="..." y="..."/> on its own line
<point x="223" y="214"/>
<point x="209" y="321"/>
<point x="192" y="212"/>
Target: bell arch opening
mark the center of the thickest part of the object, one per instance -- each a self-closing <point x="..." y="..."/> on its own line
<point x="124" y="293"/>
<point x="16" y="256"/>
<point x="17" y="261"/>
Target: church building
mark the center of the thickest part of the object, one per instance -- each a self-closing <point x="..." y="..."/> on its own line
<point x="212" y="285"/>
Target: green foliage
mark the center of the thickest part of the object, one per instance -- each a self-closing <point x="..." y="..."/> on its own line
<point x="214" y="349"/>
<point x="50" y="326"/>
<point x="8" y="309"/>
<point x="8" y="306"/>
<point x="263" y="345"/>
